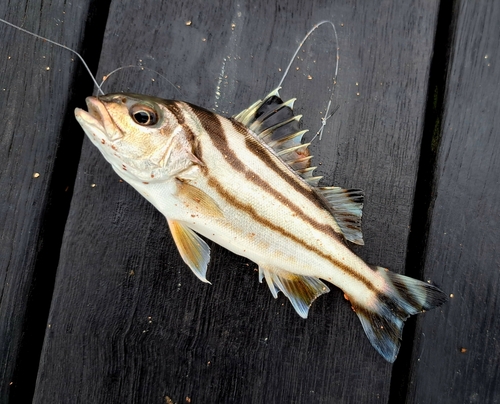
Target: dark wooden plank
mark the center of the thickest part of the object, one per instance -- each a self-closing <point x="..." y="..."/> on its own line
<point x="35" y="84"/>
<point x="129" y="322"/>
<point x="462" y="345"/>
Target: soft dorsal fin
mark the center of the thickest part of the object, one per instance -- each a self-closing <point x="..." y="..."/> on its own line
<point x="193" y="249"/>
<point x="300" y="290"/>
<point x="274" y="122"/>
<point x="346" y="206"/>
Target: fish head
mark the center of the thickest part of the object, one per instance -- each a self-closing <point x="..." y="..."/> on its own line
<point x="138" y="136"/>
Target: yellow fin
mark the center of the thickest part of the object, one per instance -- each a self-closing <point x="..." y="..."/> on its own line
<point x="300" y="290"/>
<point x="194" y="251"/>
<point x="197" y="200"/>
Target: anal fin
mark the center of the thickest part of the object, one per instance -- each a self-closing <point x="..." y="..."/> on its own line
<point x="300" y="290"/>
<point x="193" y="249"/>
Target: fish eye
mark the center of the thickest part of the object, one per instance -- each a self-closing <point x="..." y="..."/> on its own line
<point x="143" y="115"/>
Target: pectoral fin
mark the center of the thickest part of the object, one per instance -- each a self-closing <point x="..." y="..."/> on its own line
<point x="300" y="290"/>
<point x="194" y="251"/>
<point x="196" y="200"/>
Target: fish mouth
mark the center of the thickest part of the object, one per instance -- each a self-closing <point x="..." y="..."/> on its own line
<point x="98" y="119"/>
<point x="93" y="105"/>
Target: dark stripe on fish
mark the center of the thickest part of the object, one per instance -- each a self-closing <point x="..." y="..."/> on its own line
<point x="254" y="146"/>
<point x="176" y="111"/>
<point x="407" y="292"/>
<point x="232" y="200"/>
<point x="213" y="127"/>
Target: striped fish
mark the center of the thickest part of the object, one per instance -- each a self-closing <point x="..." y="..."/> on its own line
<point x="247" y="183"/>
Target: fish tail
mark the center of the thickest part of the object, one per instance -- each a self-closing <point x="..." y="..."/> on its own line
<point x="404" y="296"/>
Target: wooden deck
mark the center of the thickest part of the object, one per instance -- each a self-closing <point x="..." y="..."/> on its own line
<point x="96" y="305"/>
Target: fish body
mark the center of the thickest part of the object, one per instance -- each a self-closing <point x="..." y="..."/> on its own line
<point x="246" y="183"/>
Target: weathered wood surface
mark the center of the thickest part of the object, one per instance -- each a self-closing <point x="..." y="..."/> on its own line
<point x="36" y="87"/>
<point x="130" y="323"/>
<point x="461" y="345"/>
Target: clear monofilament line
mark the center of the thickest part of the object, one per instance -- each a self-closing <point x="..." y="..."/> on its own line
<point x="61" y="46"/>
<point x="107" y="76"/>
<point x="334" y="80"/>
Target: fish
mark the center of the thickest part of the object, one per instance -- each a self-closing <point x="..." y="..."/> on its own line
<point x="247" y="183"/>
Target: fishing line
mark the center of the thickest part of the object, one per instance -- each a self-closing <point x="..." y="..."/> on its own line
<point x="105" y="77"/>
<point x="99" y="86"/>
<point x="57" y="44"/>
<point x="334" y="81"/>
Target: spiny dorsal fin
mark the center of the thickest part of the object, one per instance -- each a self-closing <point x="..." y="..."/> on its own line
<point x="247" y="116"/>
<point x="346" y="206"/>
<point x="274" y="122"/>
<point x="300" y="290"/>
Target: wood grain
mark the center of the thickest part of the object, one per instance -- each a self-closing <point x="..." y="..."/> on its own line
<point x="129" y="322"/>
<point x="461" y="343"/>
<point x="39" y="151"/>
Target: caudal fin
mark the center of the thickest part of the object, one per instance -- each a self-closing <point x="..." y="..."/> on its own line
<point x="383" y="324"/>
